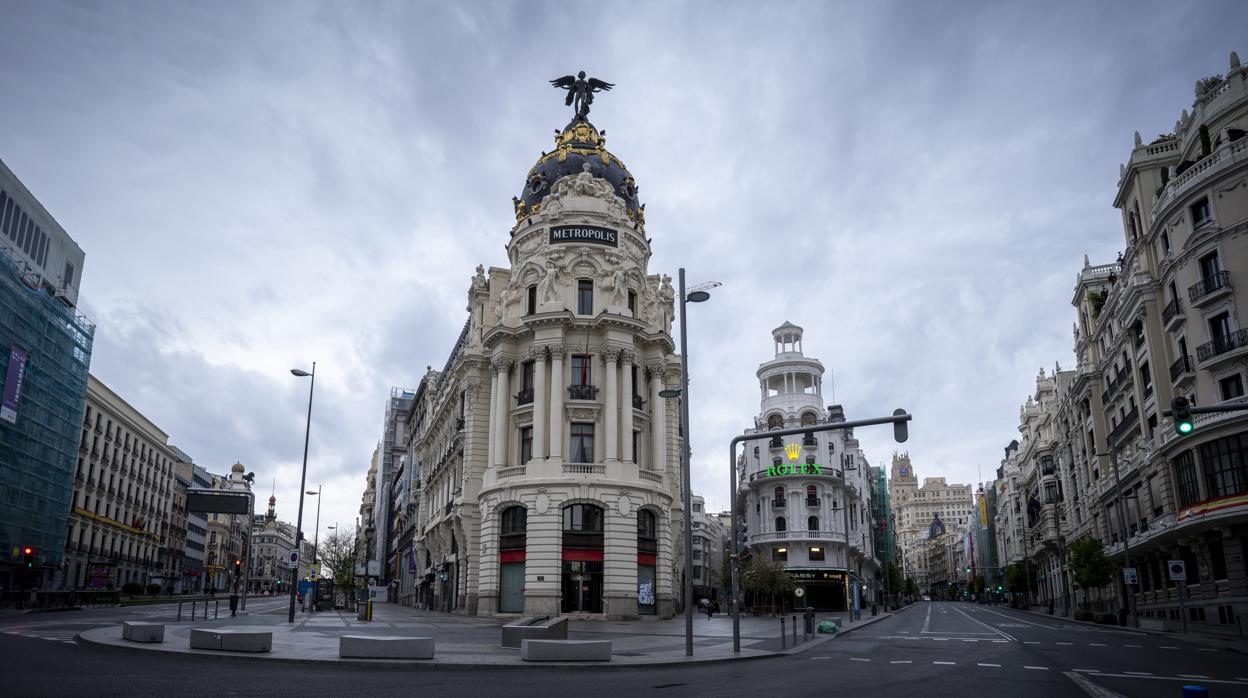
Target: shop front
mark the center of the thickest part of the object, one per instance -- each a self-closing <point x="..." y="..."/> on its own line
<point x="823" y="589"/>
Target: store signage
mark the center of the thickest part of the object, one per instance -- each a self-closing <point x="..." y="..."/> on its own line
<point x="815" y="575"/>
<point x="584" y="233"/>
<point x="794" y="469"/>
<point x="1178" y="570"/>
<point x="1131" y="576"/>
<point x="13" y="384"/>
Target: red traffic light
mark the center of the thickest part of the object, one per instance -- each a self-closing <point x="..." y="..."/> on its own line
<point x="28" y="550"/>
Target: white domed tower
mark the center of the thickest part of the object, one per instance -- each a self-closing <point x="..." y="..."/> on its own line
<point x="806" y="499"/>
<point x="569" y="456"/>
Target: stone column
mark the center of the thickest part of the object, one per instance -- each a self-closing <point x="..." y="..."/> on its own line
<point x="555" y="433"/>
<point x="503" y="426"/>
<point x="494" y="402"/>
<point x="612" y="408"/>
<point x="626" y="407"/>
<point x="539" y="402"/>
<point x="658" y="423"/>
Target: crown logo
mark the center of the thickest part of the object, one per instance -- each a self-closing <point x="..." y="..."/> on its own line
<point x="792" y="450"/>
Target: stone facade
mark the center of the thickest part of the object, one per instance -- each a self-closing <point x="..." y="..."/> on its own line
<point x="542" y="462"/>
<point x="914" y="508"/>
<point x="1108" y="463"/>
<point x="807" y="500"/>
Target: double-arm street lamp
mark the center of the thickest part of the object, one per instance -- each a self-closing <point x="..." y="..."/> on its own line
<point x="303" y="481"/>
<point x="697" y="295"/>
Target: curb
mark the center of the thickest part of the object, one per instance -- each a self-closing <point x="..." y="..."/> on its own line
<point x="428" y="664"/>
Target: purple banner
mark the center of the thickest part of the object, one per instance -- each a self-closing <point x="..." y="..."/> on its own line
<point x="13" y="384"/>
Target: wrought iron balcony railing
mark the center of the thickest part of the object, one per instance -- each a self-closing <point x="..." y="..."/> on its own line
<point x="1208" y="285"/>
<point x="1222" y="345"/>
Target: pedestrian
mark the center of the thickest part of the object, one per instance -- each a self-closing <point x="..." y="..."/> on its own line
<point x="710" y="609"/>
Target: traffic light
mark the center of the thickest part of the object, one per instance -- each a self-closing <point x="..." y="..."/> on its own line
<point x="238" y="566"/>
<point x="1181" y="411"/>
<point x="28" y="556"/>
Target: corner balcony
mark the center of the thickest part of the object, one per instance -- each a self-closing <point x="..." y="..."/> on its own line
<point x="1126" y="426"/>
<point x="582" y="392"/>
<point x="1209" y="288"/>
<point x="1222" y="348"/>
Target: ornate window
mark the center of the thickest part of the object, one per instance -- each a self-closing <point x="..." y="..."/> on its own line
<point x="781" y="524"/>
<point x="812" y="523"/>
<point x="584" y="297"/>
<point x="647" y="525"/>
<point x="514" y="521"/>
<point x="582" y="443"/>
<point x="582" y="518"/>
<point x="808" y="419"/>
<point x="775" y="421"/>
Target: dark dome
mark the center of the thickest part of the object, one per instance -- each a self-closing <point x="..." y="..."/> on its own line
<point x="578" y="144"/>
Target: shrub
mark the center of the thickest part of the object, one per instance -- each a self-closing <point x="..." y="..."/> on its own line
<point x="132" y="588"/>
<point x="153" y="589"/>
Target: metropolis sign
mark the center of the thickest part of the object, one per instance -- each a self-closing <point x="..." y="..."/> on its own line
<point x="584" y="233"/>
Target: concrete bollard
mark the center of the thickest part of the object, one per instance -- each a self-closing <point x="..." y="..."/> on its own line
<point x="795" y="631"/>
<point x="179" y="611"/>
<point x="782" y="636"/>
<point x="192" y="611"/>
<point x="216" y="609"/>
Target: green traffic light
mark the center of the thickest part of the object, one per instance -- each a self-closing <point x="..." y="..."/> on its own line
<point x="1186" y="427"/>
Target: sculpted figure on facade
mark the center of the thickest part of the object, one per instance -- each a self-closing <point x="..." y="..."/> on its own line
<point x="666" y="302"/>
<point x="552" y="282"/>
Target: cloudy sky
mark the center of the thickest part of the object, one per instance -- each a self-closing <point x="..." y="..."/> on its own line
<point x="260" y="186"/>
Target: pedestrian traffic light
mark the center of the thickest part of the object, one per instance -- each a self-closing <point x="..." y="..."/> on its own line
<point x="28" y="556"/>
<point x="1181" y="411"/>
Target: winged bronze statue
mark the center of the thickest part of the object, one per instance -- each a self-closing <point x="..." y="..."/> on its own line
<point x="581" y="91"/>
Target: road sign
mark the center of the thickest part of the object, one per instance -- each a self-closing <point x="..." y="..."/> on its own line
<point x="1129" y="574"/>
<point x="799" y="592"/>
<point x="360" y="569"/>
<point x="294" y="559"/>
<point x="1178" y="570"/>
<point x="374" y="568"/>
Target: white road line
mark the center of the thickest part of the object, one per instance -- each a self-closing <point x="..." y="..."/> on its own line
<point x="986" y="664"/>
<point x="946" y="663"/>
<point x="927" y="622"/>
<point x="1096" y="644"/>
<point x="980" y="622"/>
<point x="1037" y="668"/>
<point x="1030" y="642"/>
<point x="1066" y="643"/>
<point x="1169" y="647"/>
<point x="1135" y="646"/>
<point x="1001" y="641"/>
<point x="1088" y="671"/>
<point x="941" y="639"/>
<point x="1193" y="676"/>
<point x="901" y="661"/>
<point x="1102" y="675"/>
<point x="859" y="659"/>
<point x="1137" y="673"/>
<point x="1092" y="689"/>
<point x="1020" y="620"/>
<point x="814" y="658"/>
<point x="1206" y="649"/>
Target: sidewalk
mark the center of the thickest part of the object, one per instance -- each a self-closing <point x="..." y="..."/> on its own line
<point x="1229" y="642"/>
<point x="472" y="642"/>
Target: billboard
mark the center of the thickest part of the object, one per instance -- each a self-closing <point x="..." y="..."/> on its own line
<point x="13" y="384"/>
<point x="215" y="502"/>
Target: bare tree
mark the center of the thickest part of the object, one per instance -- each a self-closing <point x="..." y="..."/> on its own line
<point x="337" y="554"/>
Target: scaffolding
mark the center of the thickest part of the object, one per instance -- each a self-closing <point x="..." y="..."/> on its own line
<point x="38" y="450"/>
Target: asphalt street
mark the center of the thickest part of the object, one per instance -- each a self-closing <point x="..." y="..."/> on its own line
<point x="929" y="649"/>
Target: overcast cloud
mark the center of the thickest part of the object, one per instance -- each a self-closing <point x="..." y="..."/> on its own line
<point x="258" y="186"/>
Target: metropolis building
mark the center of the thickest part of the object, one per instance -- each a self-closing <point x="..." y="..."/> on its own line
<point x="541" y="466"/>
<point x="807" y="499"/>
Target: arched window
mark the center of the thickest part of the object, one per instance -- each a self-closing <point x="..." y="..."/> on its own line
<point x="812" y="523"/>
<point x="812" y="496"/>
<point x="647" y="527"/>
<point x="778" y="498"/>
<point x="780" y="524"/>
<point x="514" y="521"/>
<point x="775" y="421"/>
<point x="582" y="518"/>
<point x="808" y="418"/>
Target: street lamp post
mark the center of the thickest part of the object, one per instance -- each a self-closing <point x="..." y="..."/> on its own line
<point x="1126" y="545"/>
<point x="316" y="550"/>
<point x="696" y="296"/>
<point x="303" y="480"/>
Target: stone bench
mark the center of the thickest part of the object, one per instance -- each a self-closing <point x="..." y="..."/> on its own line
<point x="565" y="650"/>
<point x="139" y="631"/>
<point x="535" y="628"/>
<point x="381" y="647"/>
<point x="229" y="640"/>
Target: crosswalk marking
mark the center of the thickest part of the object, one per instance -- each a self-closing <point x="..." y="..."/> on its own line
<point x="1038" y="668"/>
<point x="986" y="664"/>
